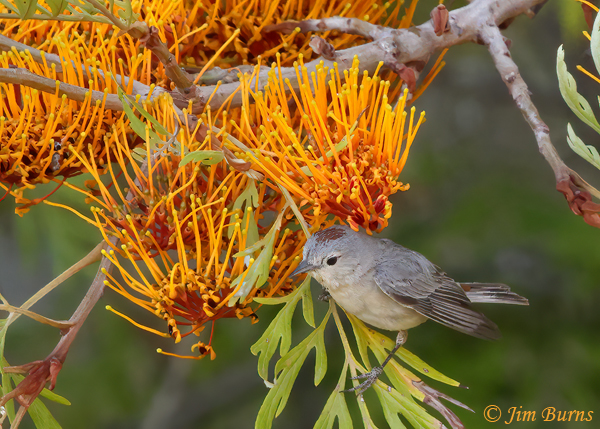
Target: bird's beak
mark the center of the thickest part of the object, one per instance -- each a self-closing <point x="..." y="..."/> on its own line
<point x="302" y="268"/>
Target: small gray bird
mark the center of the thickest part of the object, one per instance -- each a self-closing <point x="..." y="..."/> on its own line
<point x="391" y="287"/>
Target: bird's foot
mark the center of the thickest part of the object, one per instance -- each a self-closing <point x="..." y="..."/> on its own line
<point x="324" y="296"/>
<point x="370" y="378"/>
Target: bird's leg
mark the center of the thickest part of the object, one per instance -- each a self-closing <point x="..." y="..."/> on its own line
<point x="372" y="376"/>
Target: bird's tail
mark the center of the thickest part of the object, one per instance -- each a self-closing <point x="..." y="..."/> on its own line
<point x="497" y="293"/>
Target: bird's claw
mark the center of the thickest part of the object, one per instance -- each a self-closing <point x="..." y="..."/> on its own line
<point x="370" y="378"/>
<point x="324" y="296"/>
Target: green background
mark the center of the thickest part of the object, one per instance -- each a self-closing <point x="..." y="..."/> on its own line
<point x="482" y="205"/>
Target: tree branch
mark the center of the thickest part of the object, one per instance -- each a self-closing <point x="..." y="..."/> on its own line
<point x="577" y="191"/>
<point x="40" y="372"/>
<point x="396" y="47"/>
<point x="20" y="76"/>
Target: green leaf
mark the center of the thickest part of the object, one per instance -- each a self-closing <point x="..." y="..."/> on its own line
<point x="139" y="154"/>
<point x="391" y="407"/>
<point x="295" y="209"/>
<point x="286" y="371"/>
<point x="48" y="394"/>
<point x="57" y="6"/>
<point x="9" y="6"/>
<point x="206" y="157"/>
<point x="26" y="8"/>
<point x="7" y="387"/>
<point x="157" y="125"/>
<point x="41" y="416"/>
<point x="568" y="90"/>
<point x="257" y="274"/>
<point x="595" y="43"/>
<point x="336" y="407"/>
<point x="136" y="124"/>
<point x="248" y="198"/>
<point x="587" y="152"/>
<point x="307" y="304"/>
<point x="401" y="378"/>
<point x="280" y="329"/>
<point x="126" y="14"/>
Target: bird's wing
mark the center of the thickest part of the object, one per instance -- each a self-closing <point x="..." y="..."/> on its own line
<point x="411" y="280"/>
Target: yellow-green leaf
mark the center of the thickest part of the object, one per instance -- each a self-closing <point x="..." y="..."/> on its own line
<point x="206" y="157"/>
<point x="568" y="90"/>
<point x="26" y="8"/>
<point x="336" y="407"/>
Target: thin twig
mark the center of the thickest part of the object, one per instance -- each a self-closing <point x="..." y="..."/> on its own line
<point x="94" y="256"/>
<point x="576" y="190"/>
<point x="7" y="44"/>
<point x="60" y="324"/>
<point x="395" y="47"/>
<point x="509" y="72"/>
<point x="40" y="372"/>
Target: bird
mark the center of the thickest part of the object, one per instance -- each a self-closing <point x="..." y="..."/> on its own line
<point x="391" y="287"/>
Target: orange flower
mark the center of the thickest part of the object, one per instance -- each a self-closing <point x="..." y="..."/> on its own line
<point x="340" y="152"/>
<point x="197" y="235"/>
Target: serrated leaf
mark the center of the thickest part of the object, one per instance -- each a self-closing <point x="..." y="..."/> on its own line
<point x="380" y="343"/>
<point x="286" y="371"/>
<point x="587" y="152"/>
<point x="279" y="330"/>
<point x="402" y="379"/>
<point x="336" y="407"/>
<point x="206" y="157"/>
<point x="157" y="125"/>
<point x="26" y="8"/>
<point x="257" y="274"/>
<point x="87" y="8"/>
<point x="139" y="154"/>
<point x="137" y="125"/>
<point x="568" y="90"/>
<point x="391" y="407"/>
<point x="57" y="6"/>
<point x="126" y="14"/>
<point x="272" y="301"/>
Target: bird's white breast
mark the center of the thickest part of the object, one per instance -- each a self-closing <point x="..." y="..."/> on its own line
<point x="362" y="297"/>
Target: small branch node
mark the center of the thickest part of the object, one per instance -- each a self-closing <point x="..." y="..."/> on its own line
<point x="440" y="18"/>
<point x="322" y="47"/>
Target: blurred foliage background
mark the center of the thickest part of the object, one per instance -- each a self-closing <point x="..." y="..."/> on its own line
<point x="482" y="205"/>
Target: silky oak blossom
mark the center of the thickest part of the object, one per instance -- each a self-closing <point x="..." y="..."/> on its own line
<point x="338" y="145"/>
<point x="203" y="238"/>
<point x="37" y="128"/>
<point x="252" y="18"/>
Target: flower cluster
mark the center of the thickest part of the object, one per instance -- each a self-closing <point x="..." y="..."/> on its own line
<point x="204" y="238"/>
<point x="340" y="150"/>
<point x="37" y="127"/>
<point x="205" y="213"/>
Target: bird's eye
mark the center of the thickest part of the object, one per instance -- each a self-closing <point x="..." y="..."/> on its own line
<point x="332" y="260"/>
